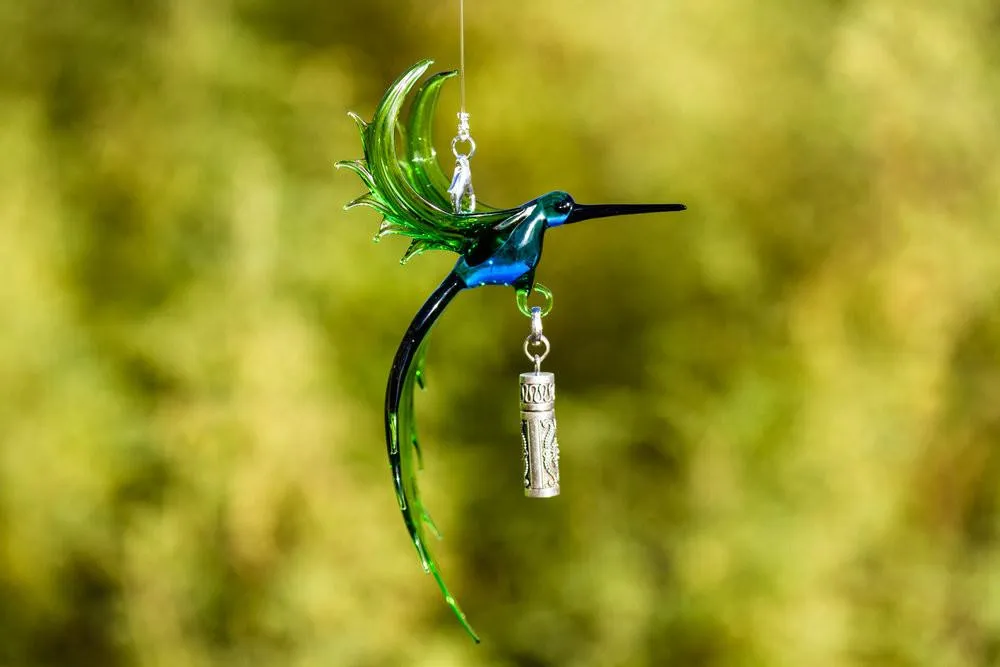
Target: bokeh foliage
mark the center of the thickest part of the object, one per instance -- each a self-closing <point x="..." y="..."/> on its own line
<point x="779" y="411"/>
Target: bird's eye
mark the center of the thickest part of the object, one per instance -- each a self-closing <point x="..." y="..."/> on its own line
<point x="563" y="207"/>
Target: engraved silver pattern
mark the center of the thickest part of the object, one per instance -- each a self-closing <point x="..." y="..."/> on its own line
<point x="550" y="452"/>
<point x="524" y="453"/>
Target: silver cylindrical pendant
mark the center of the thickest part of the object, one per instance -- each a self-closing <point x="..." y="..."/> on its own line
<point x="538" y="435"/>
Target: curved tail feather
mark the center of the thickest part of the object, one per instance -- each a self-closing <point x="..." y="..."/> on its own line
<point x="401" y="431"/>
<point x="421" y="158"/>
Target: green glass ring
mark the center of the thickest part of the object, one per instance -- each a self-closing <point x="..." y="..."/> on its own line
<point x="522" y="299"/>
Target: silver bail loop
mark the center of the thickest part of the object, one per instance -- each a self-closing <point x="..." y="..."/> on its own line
<point x="536" y="321"/>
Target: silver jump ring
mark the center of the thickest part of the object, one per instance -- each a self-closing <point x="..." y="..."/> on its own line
<point x="454" y="149"/>
<point x="536" y="358"/>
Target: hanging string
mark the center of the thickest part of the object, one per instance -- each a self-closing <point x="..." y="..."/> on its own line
<point x="463" y="197"/>
<point x="461" y="48"/>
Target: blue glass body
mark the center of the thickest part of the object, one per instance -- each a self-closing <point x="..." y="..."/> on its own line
<point x="509" y="254"/>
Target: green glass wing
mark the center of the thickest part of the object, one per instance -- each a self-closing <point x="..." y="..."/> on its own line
<point x="411" y="194"/>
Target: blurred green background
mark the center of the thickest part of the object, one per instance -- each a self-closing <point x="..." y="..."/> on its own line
<point x="779" y="411"/>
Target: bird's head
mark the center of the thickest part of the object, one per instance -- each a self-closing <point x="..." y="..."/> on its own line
<point x="559" y="208"/>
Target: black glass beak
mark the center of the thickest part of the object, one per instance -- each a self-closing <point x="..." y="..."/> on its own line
<point x="582" y="212"/>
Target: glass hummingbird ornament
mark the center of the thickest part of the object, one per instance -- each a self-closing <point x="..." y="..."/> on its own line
<point x="407" y="187"/>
